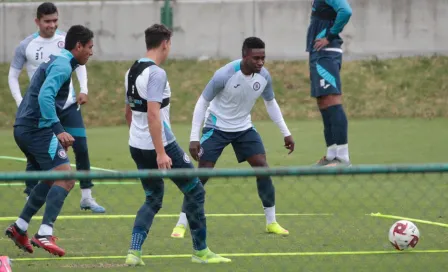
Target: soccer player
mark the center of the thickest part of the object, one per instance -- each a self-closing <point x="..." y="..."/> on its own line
<point x="31" y="52"/>
<point x="225" y="104"/>
<point x="153" y="146"/>
<point x="42" y="138"/>
<point x="328" y="19"/>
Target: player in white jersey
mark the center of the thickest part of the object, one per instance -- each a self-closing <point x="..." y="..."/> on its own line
<point x="30" y="53"/>
<point x="153" y="146"/>
<point x="225" y="105"/>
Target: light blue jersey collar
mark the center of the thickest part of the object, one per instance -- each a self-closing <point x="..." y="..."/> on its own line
<point x="146" y="60"/>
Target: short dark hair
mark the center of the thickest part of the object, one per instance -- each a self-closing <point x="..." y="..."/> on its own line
<point x="155" y="35"/>
<point x="75" y="34"/>
<point x="252" y="43"/>
<point x="46" y="8"/>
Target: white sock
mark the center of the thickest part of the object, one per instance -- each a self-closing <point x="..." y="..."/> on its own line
<point x="22" y="224"/>
<point x="182" y="220"/>
<point x="86" y="193"/>
<point x="342" y="153"/>
<point x="331" y="152"/>
<point x="45" y="230"/>
<point x="270" y="215"/>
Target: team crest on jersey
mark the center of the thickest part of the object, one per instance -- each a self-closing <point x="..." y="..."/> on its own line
<point x="62" y="154"/>
<point x="256" y="86"/>
<point x="186" y="158"/>
<point x="61" y="44"/>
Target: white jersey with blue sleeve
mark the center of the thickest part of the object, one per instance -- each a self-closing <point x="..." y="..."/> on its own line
<point x="232" y="96"/>
<point x="34" y="50"/>
<point x="227" y="101"/>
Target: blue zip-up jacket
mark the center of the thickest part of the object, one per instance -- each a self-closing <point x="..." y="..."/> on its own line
<point x="47" y="93"/>
<point x="328" y="19"/>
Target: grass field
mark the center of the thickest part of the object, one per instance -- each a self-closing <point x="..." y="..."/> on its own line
<point x="404" y="87"/>
<point x="339" y="227"/>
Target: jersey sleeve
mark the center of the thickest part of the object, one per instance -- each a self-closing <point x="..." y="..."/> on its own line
<point x="156" y="85"/>
<point x="268" y="92"/>
<point x="19" y="58"/>
<point x="217" y="83"/>
<point x="56" y="75"/>
<point x="344" y="12"/>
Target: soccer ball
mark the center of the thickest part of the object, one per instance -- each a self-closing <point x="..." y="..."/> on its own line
<point x="404" y="234"/>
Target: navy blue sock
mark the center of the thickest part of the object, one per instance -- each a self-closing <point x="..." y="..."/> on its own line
<point x="82" y="160"/>
<point x="138" y="238"/>
<point x="266" y="191"/>
<point x="327" y="127"/>
<point x="55" y="200"/>
<point x="194" y="199"/>
<point x="339" y="124"/>
<point x="35" y="202"/>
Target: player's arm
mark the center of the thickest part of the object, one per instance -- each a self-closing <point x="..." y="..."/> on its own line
<point x="81" y="74"/>
<point x="127" y="108"/>
<point x="213" y="87"/>
<point x="344" y="12"/>
<point x="156" y="86"/>
<point x="57" y="75"/>
<point x="275" y="113"/>
<point x="15" y="69"/>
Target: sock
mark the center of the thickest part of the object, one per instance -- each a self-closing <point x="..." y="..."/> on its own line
<point x="331" y="152"/>
<point x="194" y="200"/>
<point x="270" y="215"/>
<point x="339" y="125"/>
<point x="55" y="200"/>
<point x="182" y="219"/>
<point x="35" y="201"/>
<point x="342" y="153"/>
<point x="266" y="191"/>
<point x="45" y="230"/>
<point x="86" y="193"/>
<point x="22" y="224"/>
<point x="328" y="135"/>
<point x="138" y="238"/>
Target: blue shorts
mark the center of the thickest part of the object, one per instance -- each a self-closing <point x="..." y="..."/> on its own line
<point x="147" y="159"/>
<point x="71" y="120"/>
<point x="324" y="73"/>
<point x="41" y="147"/>
<point x="245" y="144"/>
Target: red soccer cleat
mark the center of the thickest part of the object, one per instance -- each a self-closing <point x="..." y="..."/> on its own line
<point x="47" y="242"/>
<point x="19" y="237"/>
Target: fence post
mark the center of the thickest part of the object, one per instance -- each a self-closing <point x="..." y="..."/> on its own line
<point x="167" y="15"/>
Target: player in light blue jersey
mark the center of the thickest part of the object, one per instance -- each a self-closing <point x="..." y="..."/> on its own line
<point x="41" y="137"/>
<point x="324" y="42"/>
<point x="225" y="108"/>
<point x="29" y="54"/>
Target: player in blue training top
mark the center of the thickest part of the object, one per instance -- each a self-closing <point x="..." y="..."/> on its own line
<point x="30" y="53"/>
<point x="225" y="108"/>
<point x="153" y="145"/>
<point x="41" y="137"/>
<point x="328" y="19"/>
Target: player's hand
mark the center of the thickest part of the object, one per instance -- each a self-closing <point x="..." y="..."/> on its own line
<point x="163" y="161"/>
<point x="289" y="144"/>
<point x="66" y="139"/>
<point x="195" y="148"/>
<point x="82" y="98"/>
<point x="320" y="43"/>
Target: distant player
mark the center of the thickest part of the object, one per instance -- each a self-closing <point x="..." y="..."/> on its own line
<point x="31" y="52"/>
<point x="226" y="104"/>
<point x="42" y="138"/>
<point x="328" y="19"/>
<point x="153" y="146"/>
